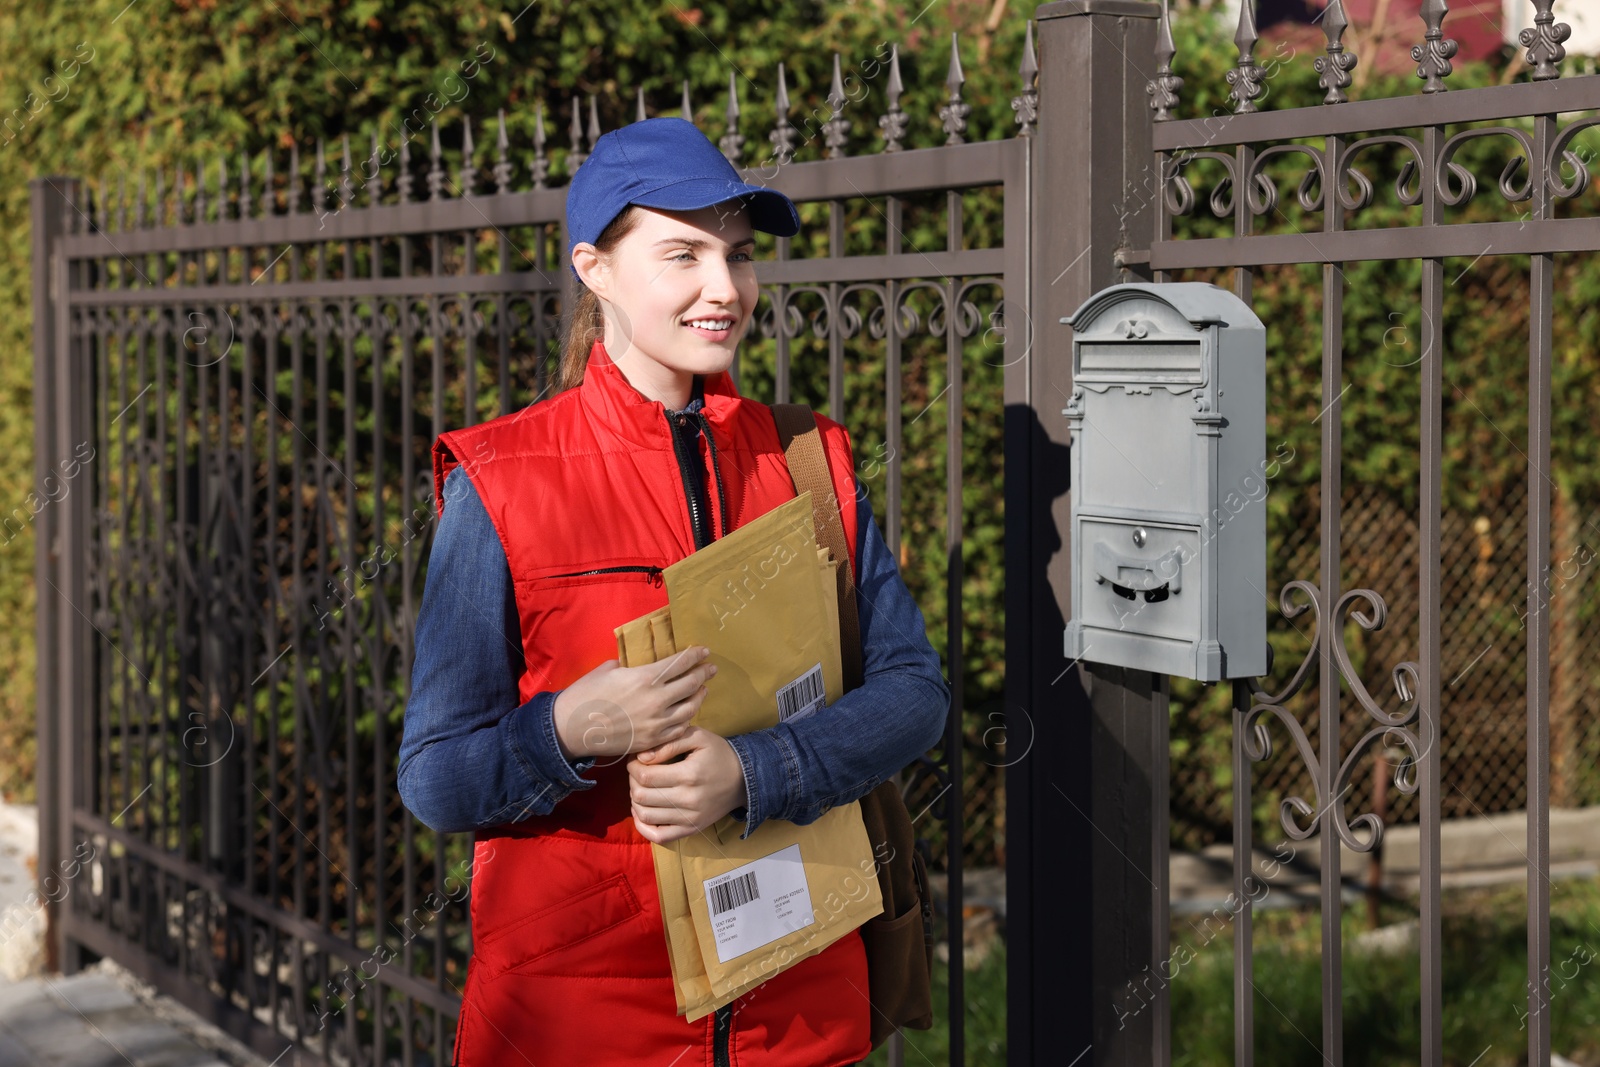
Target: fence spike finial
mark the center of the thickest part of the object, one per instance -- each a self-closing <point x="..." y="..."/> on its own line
<point x="1026" y="103"/>
<point x="1335" y="67"/>
<point x="502" y="158"/>
<point x="375" y="188"/>
<point x="291" y="194"/>
<point x="1163" y="88"/>
<point x="347" y="184"/>
<point x="836" y="130"/>
<point x="244" y="186"/>
<point x="269" y="182"/>
<point x="686" y="109"/>
<point x="1433" y="55"/>
<point x="436" y="167"/>
<point x="954" y="113"/>
<point x="222" y="187"/>
<point x="732" y="143"/>
<point x="158" y="217"/>
<point x="782" y="135"/>
<point x="638" y="111"/>
<point x="1544" y="41"/>
<point x="594" y="123"/>
<point x="576" y="157"/>
<point x="404" y="182"/>
<point x="319" y="182"/>
<point x="1245" y="78"/>
<point x="893" y="123"/>
<point x="122" y="201"/>
<point x="541" y="162"/>
<point x="469" y="170"/>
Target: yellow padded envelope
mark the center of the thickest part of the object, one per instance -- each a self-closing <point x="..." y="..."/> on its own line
<point x="737" y="912"/>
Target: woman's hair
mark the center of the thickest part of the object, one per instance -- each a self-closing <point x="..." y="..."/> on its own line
<point x="588" y="322"/>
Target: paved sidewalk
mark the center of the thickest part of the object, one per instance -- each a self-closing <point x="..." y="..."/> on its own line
<point x="104" y="1016"/>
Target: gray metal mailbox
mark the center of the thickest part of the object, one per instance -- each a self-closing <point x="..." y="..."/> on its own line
<point x="1169" y="477"/>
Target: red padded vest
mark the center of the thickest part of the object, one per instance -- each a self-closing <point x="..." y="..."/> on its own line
<point x="569" y="962"/>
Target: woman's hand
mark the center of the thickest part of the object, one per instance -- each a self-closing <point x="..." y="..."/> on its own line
<point x="614" y="710"/>
<point x="676" y="799"/>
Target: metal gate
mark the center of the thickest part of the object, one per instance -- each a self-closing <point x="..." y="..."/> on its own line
<point x="236" y="383"/>
<point x="1325" y="153"/>
<point x="249" y="360"/>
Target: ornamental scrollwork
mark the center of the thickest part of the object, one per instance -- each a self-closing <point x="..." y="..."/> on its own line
<point x="1561" y="150"/>
<point x="839" y="316"/>
<point x="1395" y="727"/>
<point x="1261" y="192"/>
<point x="1340" y="170"/>
<point x="1465" y="185"/>
<point x="1178" y="193"/>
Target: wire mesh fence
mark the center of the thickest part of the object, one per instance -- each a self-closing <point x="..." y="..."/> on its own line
<point x="1484" y="753"/>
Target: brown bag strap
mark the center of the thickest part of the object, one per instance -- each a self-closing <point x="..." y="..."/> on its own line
<point x="808" y="467"/>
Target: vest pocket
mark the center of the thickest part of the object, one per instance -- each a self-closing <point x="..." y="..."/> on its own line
<point x="579" y="575"/>
<point x="564" y="923"/>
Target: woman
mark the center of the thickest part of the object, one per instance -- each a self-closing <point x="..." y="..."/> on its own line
<point x="521" y="725"/>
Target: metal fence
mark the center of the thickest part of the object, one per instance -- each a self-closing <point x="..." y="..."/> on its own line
<point x="238" y="381"/>
<point x="249" y="361"/>
<point x="1484" y="590"/>
<point x="1329" y="152"/>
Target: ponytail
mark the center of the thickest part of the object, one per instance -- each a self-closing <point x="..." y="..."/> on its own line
<point x="588" y="322"/>
<point x="588" y="325"/>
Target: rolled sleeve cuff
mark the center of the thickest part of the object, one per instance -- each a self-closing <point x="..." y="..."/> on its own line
<point x="535" y="738"/>
<point x="769" y="772"/>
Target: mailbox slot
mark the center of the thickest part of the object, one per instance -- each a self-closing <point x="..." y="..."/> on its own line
<point x="1140" y="588"/>
<point x="1128" y="575"/>
<point x="1148" y="360"/>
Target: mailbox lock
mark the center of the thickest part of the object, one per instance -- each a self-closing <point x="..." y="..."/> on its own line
<point x="1139" y="536"/>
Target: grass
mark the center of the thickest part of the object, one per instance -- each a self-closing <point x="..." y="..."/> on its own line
<point x="1484" y="952"/>
<point x="985" y="996"/>
<point x="1484" y="955"/>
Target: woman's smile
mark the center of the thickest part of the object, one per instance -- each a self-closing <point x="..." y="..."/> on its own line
<point x="713" y="327"/>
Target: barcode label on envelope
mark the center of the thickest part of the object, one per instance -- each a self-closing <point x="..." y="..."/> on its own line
<point x="802" y="696"/>
<point x="725" y="896"/>
<point x="756" y="904"/>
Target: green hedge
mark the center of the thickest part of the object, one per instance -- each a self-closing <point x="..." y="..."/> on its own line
<point x="120" y="90"/>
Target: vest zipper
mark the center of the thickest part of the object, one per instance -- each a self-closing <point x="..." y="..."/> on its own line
<point x="716" y="471"/>
<point x="724" y="1027"/>
<point x="653" y="571"/>
<point x="702" y="536"/>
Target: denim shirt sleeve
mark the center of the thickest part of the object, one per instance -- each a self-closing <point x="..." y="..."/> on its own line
<point x="472" y="755"/>
<point x="799" y="769"/>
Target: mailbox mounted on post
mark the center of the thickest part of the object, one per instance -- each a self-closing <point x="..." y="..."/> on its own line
<point x="1169" y="519"/>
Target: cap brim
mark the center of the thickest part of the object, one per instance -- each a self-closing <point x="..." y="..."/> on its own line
<point x="770" y="211"/>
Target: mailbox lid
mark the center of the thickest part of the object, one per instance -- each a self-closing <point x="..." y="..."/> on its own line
<point x="1158" y="464"/>
<point x="1198" y="303"/>
<point x="1152" y="589"/>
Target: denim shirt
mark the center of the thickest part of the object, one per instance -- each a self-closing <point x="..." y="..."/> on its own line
<point x="473" y="756"/>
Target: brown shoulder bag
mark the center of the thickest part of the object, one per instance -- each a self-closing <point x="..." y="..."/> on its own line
<point x="899" y="942"/>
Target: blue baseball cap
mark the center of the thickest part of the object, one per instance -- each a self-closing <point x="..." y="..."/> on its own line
<point x="664" y="163"/>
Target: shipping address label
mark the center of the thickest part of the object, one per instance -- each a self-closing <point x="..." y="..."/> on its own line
<point x="758" y="903"/>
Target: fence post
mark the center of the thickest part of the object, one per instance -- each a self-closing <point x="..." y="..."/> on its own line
<point x="52" y="204"/>
<point x="1087" y="806"/>
<point x="1566" y="654"/>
